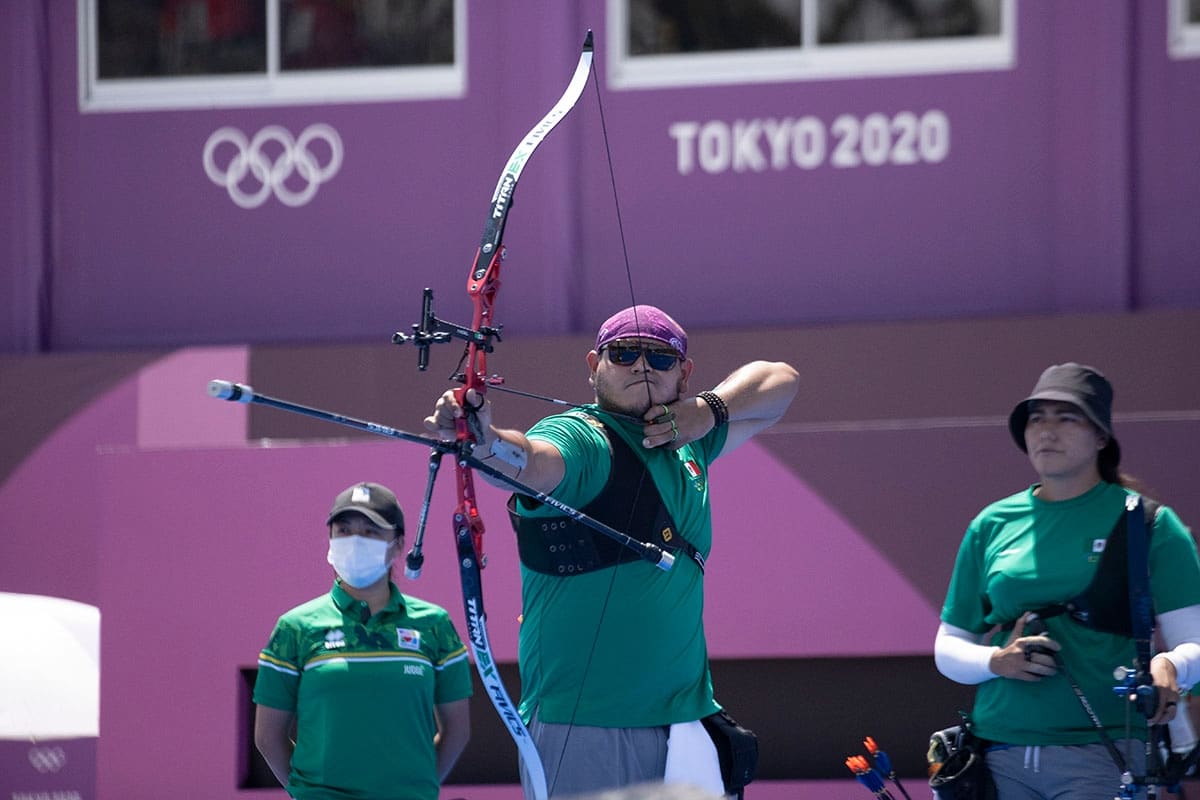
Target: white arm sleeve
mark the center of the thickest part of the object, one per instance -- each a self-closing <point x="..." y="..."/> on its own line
<point x="1181" y="632"/>
<point x="960" y="656"/>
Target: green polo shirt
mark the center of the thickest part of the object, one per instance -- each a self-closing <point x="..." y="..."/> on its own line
<point x="363" y="690"/>
<point x="622" y="646"/>
<point x="1023" y="553"/>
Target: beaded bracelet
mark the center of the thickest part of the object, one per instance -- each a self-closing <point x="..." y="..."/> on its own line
<point x="720" y="411"/>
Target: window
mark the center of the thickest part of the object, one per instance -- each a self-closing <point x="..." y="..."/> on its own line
<point x="138" y="54"/>
<point x="1183" y="28"/>
<point x="689" y="42"/>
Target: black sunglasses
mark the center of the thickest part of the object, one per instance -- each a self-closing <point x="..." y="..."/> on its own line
<point x="627" y="356"/>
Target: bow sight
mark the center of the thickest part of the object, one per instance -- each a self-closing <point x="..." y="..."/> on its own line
<point x="1136" y="687"/>
<point x="431" y="330"/>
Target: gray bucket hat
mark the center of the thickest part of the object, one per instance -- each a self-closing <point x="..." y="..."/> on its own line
<point x="1080" y="385"/>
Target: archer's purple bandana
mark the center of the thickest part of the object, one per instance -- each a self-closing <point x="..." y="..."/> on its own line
<point x="643" y="322"/>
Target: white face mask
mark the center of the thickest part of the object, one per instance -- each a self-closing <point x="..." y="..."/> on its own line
<point x="358" y="560"/>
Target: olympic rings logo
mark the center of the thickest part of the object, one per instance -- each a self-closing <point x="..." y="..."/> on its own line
<point x="47" y="759"/>
<point x="252" y="160"/>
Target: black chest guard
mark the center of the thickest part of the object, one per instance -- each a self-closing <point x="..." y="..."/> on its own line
<point x="1104" y="604"/>
<point x="559" y="545"/>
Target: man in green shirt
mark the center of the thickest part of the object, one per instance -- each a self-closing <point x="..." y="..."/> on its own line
<point x="362" y="692"/>
<point x="612" y="651"/>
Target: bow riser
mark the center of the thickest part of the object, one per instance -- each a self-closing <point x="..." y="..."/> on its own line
<point x="466" y="514"/>
<point x="482" y="287"/>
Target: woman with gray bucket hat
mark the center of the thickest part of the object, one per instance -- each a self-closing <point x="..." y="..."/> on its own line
<point x="1043" y="608"/>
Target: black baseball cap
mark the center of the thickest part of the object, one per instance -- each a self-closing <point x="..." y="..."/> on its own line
<point x="373" y="501"/>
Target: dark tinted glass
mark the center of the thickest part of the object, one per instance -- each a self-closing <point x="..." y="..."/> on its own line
<point x="158" y="38"/>
<point x="858" y="21"/>
<point x="332" y="34"/>
<point x="690" y="26"/>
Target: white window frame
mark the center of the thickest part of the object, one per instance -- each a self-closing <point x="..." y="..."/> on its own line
<point x="809" y="61"/>
<point x="1183" y="37"/>
<point x="271" y="87"/>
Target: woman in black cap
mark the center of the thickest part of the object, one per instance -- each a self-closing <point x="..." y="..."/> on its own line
<point x="1022" y="618"/>
<point x="362" y="692"/>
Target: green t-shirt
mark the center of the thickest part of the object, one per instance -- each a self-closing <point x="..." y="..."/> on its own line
<point x="623" y="646"/>
<point x="1024" y="553"/>
<point x="363" y="691"/>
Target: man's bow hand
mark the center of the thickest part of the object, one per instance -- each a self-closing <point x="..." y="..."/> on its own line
<point x="443" y="422"/>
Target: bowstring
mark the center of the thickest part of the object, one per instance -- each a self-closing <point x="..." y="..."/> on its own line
<point x="649" y="404"/>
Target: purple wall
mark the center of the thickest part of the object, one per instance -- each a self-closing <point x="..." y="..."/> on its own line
<point x="25" y="259"/>
<point x="1166" y="179"/>
<point x="1070" y="186"/>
